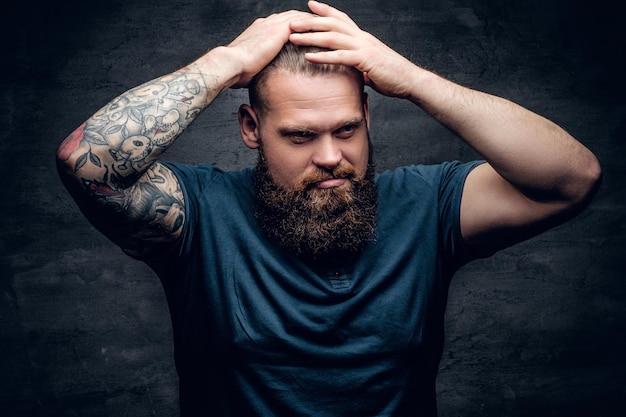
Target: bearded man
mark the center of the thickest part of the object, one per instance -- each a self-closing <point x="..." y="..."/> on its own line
<point x="330" y="211"/>
<point x="312" y="285"/>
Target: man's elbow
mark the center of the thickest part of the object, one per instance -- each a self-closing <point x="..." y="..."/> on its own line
<point x="65" y="170"/>
<point x="63" y="164"/>
<point x="586" y="183"/>
<point x="66" y="152"/>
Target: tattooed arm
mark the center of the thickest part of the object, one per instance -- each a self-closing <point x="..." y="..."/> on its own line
<point x="110" y="163"/>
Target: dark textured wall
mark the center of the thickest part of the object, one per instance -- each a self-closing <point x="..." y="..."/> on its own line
<point x="537" y="330"/>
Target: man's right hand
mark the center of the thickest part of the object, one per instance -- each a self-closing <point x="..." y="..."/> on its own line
<point x="257" y="46"/>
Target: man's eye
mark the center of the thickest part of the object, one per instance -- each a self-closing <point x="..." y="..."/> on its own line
<point x="345" y="131"/>
<point x="300" y="137"/>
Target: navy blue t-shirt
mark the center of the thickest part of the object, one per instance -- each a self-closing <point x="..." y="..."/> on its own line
<point x="259" y="332"/>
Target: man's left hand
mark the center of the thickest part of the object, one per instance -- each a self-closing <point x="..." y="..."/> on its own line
<point x="384" y="69"/>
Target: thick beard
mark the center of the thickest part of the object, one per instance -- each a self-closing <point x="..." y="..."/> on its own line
<point x="318" y="224"/>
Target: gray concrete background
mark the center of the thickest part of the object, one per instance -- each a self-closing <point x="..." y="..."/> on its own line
<point x="537" y="330"/>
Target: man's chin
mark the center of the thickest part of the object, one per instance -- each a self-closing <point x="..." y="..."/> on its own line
<point x="318" y="223"/>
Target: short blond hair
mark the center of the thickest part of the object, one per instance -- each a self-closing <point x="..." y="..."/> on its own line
<point x="291" y="60"/>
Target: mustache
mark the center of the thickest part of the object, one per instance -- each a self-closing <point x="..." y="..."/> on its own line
<point x="321" y="174"/>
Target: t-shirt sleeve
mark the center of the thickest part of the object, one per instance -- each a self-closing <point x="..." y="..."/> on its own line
<point x="436" y="192"/>
<point x="194" y="180"/>
<point x="451" y="184"/>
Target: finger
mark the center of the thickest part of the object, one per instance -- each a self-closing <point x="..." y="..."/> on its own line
<point x="271" y="26"/>
<point x="340" y="57"/>
<point x="323" y="9"/>
<point x="321" y="24"/>
<point x="282" y="18"/>
<point x="286" y="17"/>
<point x="328" y="40"/>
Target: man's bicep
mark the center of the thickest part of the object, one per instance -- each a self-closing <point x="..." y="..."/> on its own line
<point x="495" y="214"/>
<point x="145" y="218"/>
<point x="155" y="212"/>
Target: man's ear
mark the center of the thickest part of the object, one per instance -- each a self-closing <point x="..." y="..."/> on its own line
<point x="249" y="126"/>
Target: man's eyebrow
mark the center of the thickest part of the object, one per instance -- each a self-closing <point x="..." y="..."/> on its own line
<point x="290" y="129"/>
<point x="353" y="122"/>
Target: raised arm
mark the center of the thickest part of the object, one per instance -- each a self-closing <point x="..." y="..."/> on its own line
<point x="110" y="163"/>
<point x="536" y="175"/>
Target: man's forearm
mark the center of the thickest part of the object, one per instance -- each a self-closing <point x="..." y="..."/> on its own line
<point x="119" y="142"/>
<point x="529" y="151"/>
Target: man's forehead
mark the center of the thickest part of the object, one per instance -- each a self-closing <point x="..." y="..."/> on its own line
<point x="281" y="86"/>
<point x="284" y="76"/>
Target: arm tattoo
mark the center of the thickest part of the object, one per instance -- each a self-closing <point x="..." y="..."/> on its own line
<point x="112" y="158"/>
<point x="117" y="144"/>
<point x="143" y="217"/>
<point x="156" y="204"/>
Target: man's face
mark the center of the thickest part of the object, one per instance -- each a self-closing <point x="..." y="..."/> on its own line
<point x="314" y="125"/>
<point x="316" y="193"/>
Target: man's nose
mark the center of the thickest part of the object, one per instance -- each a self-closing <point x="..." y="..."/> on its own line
<point x="327" y="153"/>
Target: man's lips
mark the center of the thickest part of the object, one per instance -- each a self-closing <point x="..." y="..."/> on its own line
<point x="331" y="183"/>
